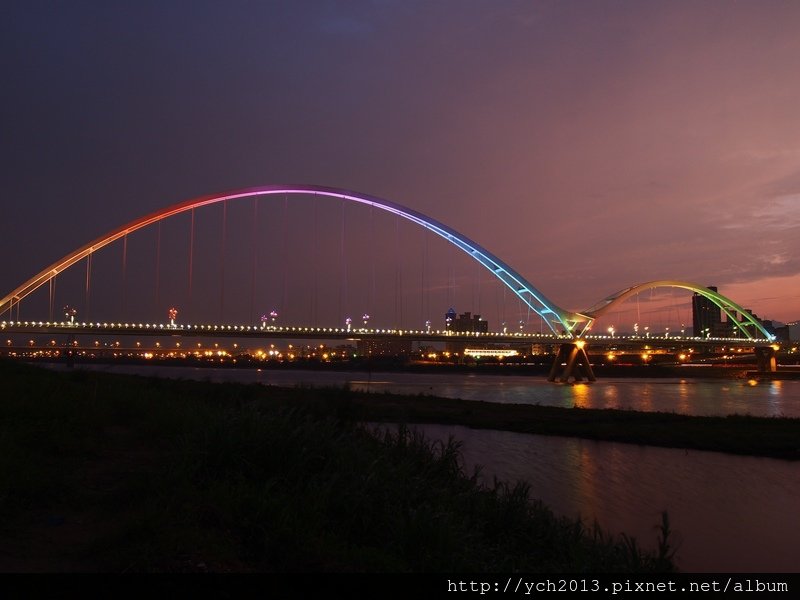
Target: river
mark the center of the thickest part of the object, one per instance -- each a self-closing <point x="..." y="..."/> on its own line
<point x="728" y="513"/>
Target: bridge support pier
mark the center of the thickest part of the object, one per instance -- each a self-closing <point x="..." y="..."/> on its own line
<point x="766" y="359"/>
<point x="571" y="362"/>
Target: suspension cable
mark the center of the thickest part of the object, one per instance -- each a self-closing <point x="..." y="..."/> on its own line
<point x="52" y="295"/>
<point x="254" y="250"/>
<point x="124" y="274"/>
<point x="158" y="268"/>
<point x="87" y="301"/>
<point x="285" y="259"/>
<point x="342" y="267"/>
<point x="191" y="260"/>
<point x="222" y="262"/>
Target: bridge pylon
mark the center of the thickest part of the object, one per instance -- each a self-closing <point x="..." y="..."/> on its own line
<point x="571" y="363"/>
<point x="766" y="358"/>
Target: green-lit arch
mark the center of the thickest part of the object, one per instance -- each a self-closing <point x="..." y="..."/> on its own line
<point x="727" y="305"/>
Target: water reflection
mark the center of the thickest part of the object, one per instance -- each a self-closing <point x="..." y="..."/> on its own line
<point x="610" y="397"/>
<point x="684" y="395"/>
<point x="581" y="395"/>
<point x="645" y="400"/>
<point x="729" y="513"/>
<point x="687" y="396"/>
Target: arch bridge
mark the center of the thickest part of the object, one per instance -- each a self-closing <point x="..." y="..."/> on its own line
<point x="571" y="326"/>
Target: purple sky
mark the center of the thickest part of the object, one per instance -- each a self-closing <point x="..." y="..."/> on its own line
<point x="591" y="145"/>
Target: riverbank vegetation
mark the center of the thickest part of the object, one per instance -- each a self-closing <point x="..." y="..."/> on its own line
<point x="774" y="437"/>
<point x="116" y="473"/>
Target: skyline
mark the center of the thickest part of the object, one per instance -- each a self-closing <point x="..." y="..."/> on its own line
<point x="618" y="143"/>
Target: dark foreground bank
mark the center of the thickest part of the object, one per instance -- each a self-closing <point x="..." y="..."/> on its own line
<point x="118" y="473"/>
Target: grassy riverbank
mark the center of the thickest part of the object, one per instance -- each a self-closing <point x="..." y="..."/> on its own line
<point x="774" y="437"/>
<point x="119" y="473"/>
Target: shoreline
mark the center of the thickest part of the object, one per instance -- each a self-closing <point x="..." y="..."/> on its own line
<point x="651" y="371"/>
<point x="771" y="437"/>
<point x="741" y="434"/>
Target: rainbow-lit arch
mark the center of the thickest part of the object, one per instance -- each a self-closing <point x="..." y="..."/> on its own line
<point x="560" y="321"/>
<point x="728" y="306"/>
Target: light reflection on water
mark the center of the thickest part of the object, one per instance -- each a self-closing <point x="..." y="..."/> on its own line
<point x="729" y="513"/>
<point x="687" y="396"/>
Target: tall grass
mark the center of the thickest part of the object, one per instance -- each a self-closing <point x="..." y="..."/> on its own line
<point x="180" y="476"/>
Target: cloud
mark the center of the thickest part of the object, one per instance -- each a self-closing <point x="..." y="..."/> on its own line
<point x="779" y="213"/>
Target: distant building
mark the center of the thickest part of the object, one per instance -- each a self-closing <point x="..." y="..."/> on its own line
<point x="781" y="332"/>
<point x="768" y="325"/>
<point x="707" y="322"/>
<point x="466" y="323"/>
<point x="388" y="347"/>
<point x="706" y="316"/>
<point x="449" y="317"/>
